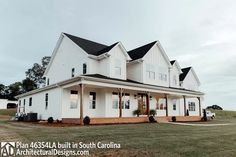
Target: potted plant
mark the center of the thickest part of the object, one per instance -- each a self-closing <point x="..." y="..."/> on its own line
<point x="136" y="112"/>
<point x="153" y="112"/>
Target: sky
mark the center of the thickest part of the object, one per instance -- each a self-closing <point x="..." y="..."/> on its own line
<point x="201" y="34"/>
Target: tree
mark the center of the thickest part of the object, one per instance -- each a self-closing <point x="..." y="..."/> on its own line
<point x="36" y="72"/>
<point x="214" y="107"/>
<point x="2" y="89"/>
<point x="13" y="90"/>
<point x="28" y="85"/>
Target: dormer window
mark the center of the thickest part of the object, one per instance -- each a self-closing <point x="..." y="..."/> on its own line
<point x="84" y="68"/>
<point x="73" y="72"/>
<point x="175" y="80"/>
<point x="48" y="81"/>
<point x="117" y="67"/>
<point x="150" y="72"/>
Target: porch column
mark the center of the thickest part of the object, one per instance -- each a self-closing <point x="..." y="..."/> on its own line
<point x="200" y="110"/>
<point x="120" y="101"/>
<point x="81" y="103"/>
<point x="148" y="103"/>
<point x="166" y="97"/>
<point x="184" y="105"/>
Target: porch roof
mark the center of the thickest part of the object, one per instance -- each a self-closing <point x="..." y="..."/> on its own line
<point x="100" y="80"/>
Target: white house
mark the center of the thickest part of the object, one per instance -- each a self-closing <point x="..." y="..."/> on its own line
<point x="5" y="103"/>
<point x="107" y="83"/>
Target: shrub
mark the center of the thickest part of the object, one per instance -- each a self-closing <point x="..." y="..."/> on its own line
<point x="50" y="120"/>
<point x="152" y="119"/>
<point x="136" y="112"/>
<point x="173" y="119"/>
<point x="86" y="120"/>
<point x="153" y="112"/>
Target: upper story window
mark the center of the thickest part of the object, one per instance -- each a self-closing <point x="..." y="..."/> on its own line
<point x="150" y="72"/>
<point x="175" y="80"/>
<point x="48" y="81"/>
<point x="30" y="101"/>
<point x="162" y="77"/>
<point x="191" y="106"/>
<point x="117" y="67"/>
<point x="92" y="100"/>
<point x="73" y="72"/>
<point x="73" y="99"/>
<point x="84" y="68"/>
<point x="46" y="101"/>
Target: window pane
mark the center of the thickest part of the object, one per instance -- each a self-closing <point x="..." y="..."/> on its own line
<point x="84" y="68"/>
<point x="73" y="99"/>
<point x="92" y="100"/>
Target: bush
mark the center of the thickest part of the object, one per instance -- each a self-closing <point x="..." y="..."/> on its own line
<point x="136" y="112"/>
<point x="173" y="119"/>
<point x="152" y="119"/>
<point x="21" y="117"/>
<point x="86" y="120"/>
<point x="50" y="120"/>
<point x="214" y="107"/>
<point x="153" y="112"/>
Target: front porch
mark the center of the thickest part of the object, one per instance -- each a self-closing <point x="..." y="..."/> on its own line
<point x="111" y="104"/>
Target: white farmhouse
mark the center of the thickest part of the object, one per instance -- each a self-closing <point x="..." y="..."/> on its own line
<point x="107" y="83"/>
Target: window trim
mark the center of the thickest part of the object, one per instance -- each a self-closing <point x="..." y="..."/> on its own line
<point x="73" y="72"/>
<point x="46" y="101"/>
<point x="92" y="103"/>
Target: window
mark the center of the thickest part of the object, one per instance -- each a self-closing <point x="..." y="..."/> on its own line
<point x="174" y="105"/>
<point x="162" y="77"/>
<point x="19" y="105"/>
<point x="150" y="71"/>
<point x="175" y="80"/>
<point x="46" y="101"/>
<point x="73" y="72"/>
<point x="161" y="104"/>
<point x="117" y="71"/>
<point x="126" y="101"/>
<point x="84" y="68"/>
<point x="115" y="100"/>
<point x="92" y="100"/>
<point x="24" y="106"/>
<point x="191" y="106"/>
<point x="30" y="101"/>
<point x="117" y="67"/>
<point x="48" y="81"/>
<point x="73" y="99"/>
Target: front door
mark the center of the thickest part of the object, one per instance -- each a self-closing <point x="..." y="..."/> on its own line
<point x="142" y="103"/>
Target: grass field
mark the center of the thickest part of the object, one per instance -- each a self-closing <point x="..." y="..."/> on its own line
<point x="161" y="140"/>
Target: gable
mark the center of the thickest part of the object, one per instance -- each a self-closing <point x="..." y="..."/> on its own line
<point x="189" y="74"/>
<point x="157" y="55"/>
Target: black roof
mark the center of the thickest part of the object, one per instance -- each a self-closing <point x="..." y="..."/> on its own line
<point x="140" y="51"/>
<point x="184" y="74"/>
<point x="90" y="47"/>
<point x="172" y="62"/>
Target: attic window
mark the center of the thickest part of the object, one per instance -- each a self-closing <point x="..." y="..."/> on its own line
<point x="84" y="68"/>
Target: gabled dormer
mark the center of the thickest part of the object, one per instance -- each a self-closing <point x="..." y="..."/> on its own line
<point x="189" y="80"/>
<point x="175" y="72"/>
<point x="149" y="65"/>
<point x="74" y="56"/>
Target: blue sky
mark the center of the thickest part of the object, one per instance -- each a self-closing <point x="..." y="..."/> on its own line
<point x="199" y="33"/>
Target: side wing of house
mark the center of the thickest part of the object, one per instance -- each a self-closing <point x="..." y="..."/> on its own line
<point x="152" y="67"/>
<point x="191" y="81"/>
<point x="68" y="59"/>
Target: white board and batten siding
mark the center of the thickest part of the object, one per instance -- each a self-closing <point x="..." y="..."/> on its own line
<point x="67" y="56"/>
<point x="190" y="82"/>
<point x="54" y="108"/>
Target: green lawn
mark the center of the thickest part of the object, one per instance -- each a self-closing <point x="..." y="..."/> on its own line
<point x="162" y="140"/>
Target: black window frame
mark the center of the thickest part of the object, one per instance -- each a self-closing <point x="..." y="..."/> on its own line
<point x="84" y="68"/>
<point x="94" y="99"/>
<point x="46" y="101"/>
<point x="73" y="72"/>
<point x="30" y="101"/>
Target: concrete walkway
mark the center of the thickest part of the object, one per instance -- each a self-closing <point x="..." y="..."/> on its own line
<point x="191" y="124"/>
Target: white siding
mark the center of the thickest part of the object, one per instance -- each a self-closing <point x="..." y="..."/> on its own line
<point x="135" y="71"/>
<point x="68" y="56"/>
<point x="190" y="82"/>
<point x="155" y="58"/>
<point x="38" y="104"/>
<point x="174" y="76"/>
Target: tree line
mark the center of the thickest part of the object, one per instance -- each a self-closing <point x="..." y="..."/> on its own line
<point x="34" y="79"/>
